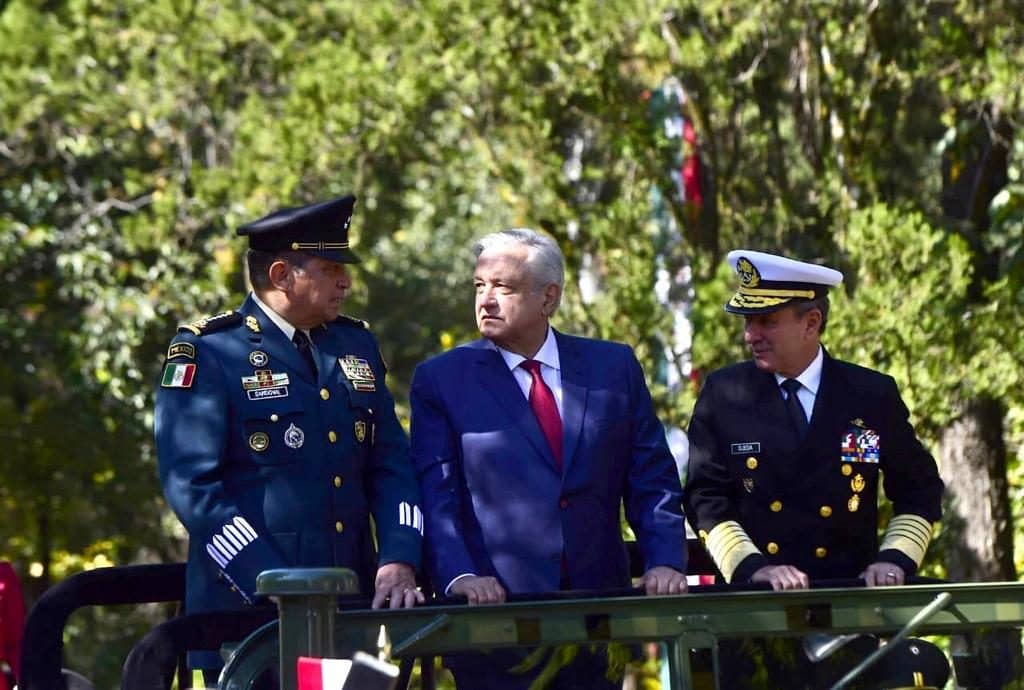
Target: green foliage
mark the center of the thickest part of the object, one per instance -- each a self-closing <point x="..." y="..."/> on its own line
<point x="905" y="308"/>
<point x="135" y="136"/>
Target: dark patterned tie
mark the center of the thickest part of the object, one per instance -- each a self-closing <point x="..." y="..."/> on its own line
<point x="542" y="402"/>
<point x="795" y="409"/>
<point x="305" y="349"/>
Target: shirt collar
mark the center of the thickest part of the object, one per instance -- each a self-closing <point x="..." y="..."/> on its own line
<point x="279" y="321"/>
<point x="810" y="378"/>
<point x="548" y="353"/>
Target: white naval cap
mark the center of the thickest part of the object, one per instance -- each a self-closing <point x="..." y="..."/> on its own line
<point x="769" y="282"/>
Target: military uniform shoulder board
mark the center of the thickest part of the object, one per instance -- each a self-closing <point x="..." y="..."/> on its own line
<point x="343" y="320"/>
<point x="212" y="324"/>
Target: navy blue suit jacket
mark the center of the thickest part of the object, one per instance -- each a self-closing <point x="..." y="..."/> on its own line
<point x="494" y="501"/>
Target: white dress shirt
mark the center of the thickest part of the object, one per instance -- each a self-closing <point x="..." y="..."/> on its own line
<point x="810" y="380"/>
<point x="281" y="322"/>
<point x="550" y="369"/>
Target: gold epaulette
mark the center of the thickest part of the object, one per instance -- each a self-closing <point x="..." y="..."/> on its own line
<point x="212" y="324"/>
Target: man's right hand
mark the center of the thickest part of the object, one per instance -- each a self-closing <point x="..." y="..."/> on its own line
<point x="782" y="577"/>
<point x="479" y="590"/>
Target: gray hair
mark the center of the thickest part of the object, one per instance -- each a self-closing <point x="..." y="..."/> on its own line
<point x="545" y="263"/>
<point x="821" y="304"/>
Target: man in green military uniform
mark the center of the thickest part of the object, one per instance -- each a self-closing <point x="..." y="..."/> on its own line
<point x="788" y="451"/>
<point x="276" y="434"/>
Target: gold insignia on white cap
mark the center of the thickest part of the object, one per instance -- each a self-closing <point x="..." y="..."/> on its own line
<point x="768" y="281"/>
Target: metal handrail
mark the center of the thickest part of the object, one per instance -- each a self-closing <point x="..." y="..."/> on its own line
<point x="43" y="640"/>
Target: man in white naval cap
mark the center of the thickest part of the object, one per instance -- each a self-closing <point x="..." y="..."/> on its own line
<point x="787" y="450"/>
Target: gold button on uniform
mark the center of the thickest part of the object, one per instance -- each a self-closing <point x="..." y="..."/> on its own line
<point x="821" y="552"/>
<point x="776" y="506"/>
<point x="331" y="436"/>
<point x="752" y="463"/>
<point x="772" y="548"/>
<point x="826" y="511"/>
<point x="337" y="481"/>
<point x="847" y="470"/>
<point x="274" y="417"/>
<point x="324" y="393"/>
<point x="339" y="527"/>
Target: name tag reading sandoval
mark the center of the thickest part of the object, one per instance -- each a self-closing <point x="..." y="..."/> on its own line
<point x="744" y="448"/>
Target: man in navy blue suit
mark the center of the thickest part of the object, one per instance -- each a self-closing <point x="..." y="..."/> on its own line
<point x="527" y="442"/>
<point x="276" y="434"/>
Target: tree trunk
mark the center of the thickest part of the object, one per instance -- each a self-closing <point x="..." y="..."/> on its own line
<point x="978" y="517"/>
<point x="978" y="531"/>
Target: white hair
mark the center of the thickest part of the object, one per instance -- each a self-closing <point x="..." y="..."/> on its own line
<point x="544" y="261"/>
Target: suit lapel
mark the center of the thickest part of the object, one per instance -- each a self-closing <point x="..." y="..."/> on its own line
<point x="574" y="397"/>
<point x="831" y="409"/>
<point x="825" y="431"/>
<point x="496" y="379"/>
<point x="770" y="409"/>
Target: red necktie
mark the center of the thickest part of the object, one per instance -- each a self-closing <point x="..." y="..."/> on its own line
<point x="542" y="402"/>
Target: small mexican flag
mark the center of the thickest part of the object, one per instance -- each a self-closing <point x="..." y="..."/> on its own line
<point x="178" y="376"/>
<point x="322" y="674"/>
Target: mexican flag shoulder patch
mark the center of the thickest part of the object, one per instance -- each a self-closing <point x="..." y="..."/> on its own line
<point x="178" y="375"/>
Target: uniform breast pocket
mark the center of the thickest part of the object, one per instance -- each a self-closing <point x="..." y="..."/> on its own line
<point x="275" y="432"/>
<point x="361" y="413"/>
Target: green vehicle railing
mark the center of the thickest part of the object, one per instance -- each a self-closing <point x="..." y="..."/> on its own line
<point x="310" y="623"/>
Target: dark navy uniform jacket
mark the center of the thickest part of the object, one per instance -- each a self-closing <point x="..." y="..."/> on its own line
<point x="810" y="504"/>
<point x="268" y="468"/>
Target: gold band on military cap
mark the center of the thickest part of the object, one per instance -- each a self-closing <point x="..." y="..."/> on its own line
<point x="766" y="292"/>
<point x="746" y="302"/>
<point x="318" y="246"/>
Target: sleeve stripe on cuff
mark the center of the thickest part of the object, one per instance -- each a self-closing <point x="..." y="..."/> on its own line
<point x="908" y="534"/>
<point x="728" y="545"/>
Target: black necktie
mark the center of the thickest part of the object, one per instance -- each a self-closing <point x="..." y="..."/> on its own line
<point x="795" y="409"/>
<point x="305" y="349"/>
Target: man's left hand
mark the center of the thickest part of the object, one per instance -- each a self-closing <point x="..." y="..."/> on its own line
<point x="663" y="580"/>
<point x="882" y="574"/>
<point x="396" y="583"/>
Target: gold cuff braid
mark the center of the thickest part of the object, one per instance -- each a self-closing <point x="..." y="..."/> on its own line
<point x="908" y="534"/>
<point x="728" y="545"/>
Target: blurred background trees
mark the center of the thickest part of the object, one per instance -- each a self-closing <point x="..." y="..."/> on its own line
<point x="648" y="137"/>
